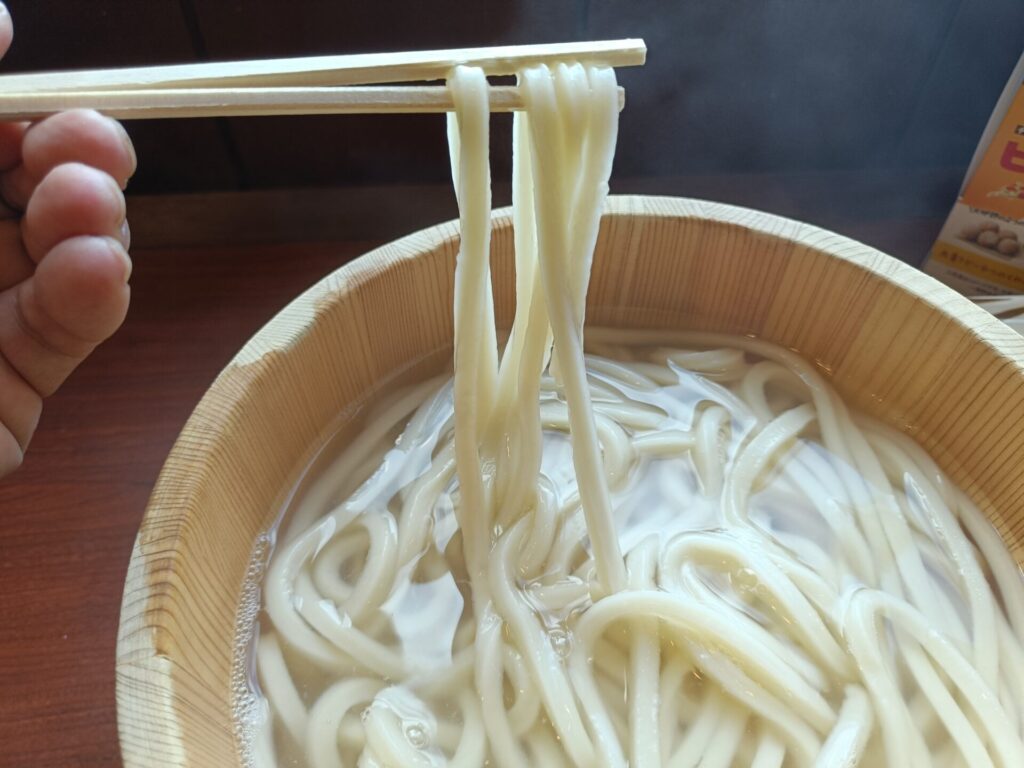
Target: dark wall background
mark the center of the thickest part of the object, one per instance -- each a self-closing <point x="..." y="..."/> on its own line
<point x="811" y="107"/>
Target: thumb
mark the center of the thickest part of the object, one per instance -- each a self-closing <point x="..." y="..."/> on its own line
<point x="6" y="29"/>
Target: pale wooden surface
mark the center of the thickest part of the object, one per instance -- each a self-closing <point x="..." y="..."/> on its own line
<point x="897" y="343"/>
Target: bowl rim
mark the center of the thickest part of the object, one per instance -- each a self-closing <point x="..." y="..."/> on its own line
<point x="145" y="671"/>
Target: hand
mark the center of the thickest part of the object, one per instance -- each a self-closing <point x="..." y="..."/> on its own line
<point x="64" y="263"/>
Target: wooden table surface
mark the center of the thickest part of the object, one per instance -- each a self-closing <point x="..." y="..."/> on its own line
<point x="68" y="517"/>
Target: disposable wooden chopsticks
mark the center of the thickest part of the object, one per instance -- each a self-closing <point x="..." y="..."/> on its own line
<point x="239" y="102"/>
<point x="309" y="85"/>
<point x="352" y="69"/>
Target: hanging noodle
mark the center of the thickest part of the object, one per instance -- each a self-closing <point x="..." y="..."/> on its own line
<point x="682" y="551"/>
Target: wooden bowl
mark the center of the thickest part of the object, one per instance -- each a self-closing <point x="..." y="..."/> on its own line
<point x="896" y="343"/>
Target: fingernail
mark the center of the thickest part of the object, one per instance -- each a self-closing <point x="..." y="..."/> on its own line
<point x="126" y="140"/>
<point x="125" y="236"/>
<point x="3" y="10"/>
<point x="117" y="244"/>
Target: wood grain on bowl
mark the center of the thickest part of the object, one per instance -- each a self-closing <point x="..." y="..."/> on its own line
<point x="896" y="343"/>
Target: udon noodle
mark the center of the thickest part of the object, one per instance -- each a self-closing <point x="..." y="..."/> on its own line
<point x="681" y="549"/>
